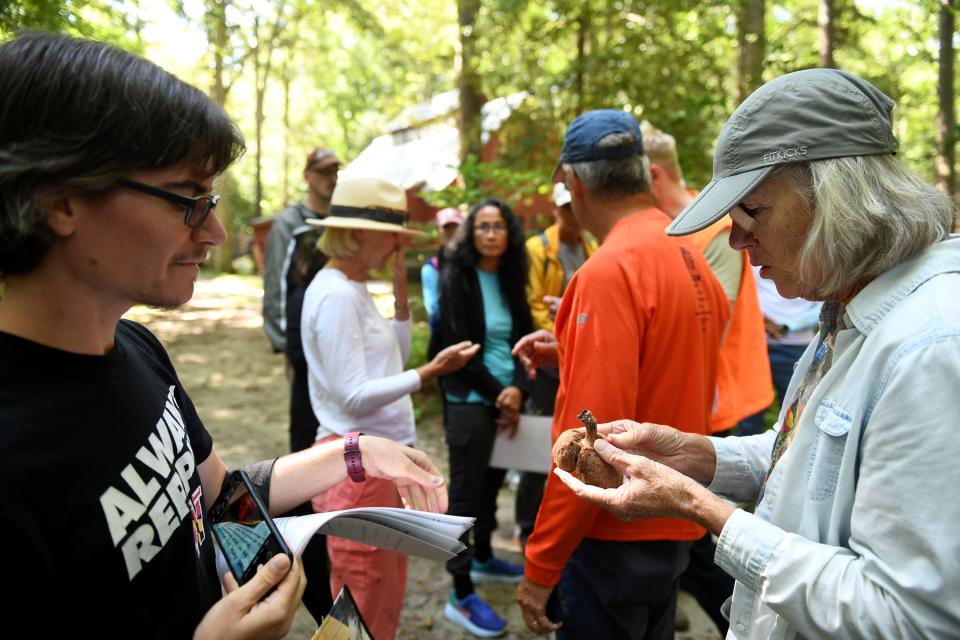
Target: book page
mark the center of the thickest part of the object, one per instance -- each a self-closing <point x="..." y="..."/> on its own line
<point x="427" y="535"/>
<point x="452" y="526"/>
<point x="385" y="537"/>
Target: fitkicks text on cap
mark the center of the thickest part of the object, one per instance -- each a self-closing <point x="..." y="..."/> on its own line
<point x="787" y="153"/>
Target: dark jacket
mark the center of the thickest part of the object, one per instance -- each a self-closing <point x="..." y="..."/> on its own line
<point x="461" y="318"/>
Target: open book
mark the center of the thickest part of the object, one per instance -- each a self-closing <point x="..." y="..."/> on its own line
<point x="434" y="536"/>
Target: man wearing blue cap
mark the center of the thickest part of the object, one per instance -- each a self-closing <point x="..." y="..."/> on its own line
<point x="638" y="333"/>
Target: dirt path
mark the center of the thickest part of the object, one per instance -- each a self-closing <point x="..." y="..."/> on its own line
<point x="239" y="388"/>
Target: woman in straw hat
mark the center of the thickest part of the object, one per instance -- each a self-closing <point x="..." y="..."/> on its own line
<point x="854" y="534"/>
<point x="356" y="375"/>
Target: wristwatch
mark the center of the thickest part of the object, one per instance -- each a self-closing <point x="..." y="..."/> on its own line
<point x="351" y="455"/>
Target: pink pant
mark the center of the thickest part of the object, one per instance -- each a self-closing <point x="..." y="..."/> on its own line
<point x="377" y="578"/>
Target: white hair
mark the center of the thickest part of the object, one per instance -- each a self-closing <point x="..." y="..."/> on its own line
<point x="869" y="213"/>
<point x="661" y="148"/>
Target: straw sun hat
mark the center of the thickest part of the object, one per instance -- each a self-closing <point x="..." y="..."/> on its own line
<point x="369" y="204"/>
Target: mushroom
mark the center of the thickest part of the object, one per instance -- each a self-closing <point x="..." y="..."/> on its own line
<point x="573" y="452"/>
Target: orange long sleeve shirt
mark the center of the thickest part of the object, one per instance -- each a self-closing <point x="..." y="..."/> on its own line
<point x="639" y="331"/>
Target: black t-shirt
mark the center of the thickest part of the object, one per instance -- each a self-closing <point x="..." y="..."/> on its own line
<point x="102" y="517"/>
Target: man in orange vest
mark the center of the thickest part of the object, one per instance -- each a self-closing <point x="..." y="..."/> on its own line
<point x="743" y="370"/>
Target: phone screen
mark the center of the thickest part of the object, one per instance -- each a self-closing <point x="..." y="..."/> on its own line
<point x="244" y="531"/>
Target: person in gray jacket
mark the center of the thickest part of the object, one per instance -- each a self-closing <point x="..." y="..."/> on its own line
<point x="854" y="532"/>
<point x="320" y="173"/>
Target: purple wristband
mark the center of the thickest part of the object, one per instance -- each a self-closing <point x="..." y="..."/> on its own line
<point x="351" y="455"/>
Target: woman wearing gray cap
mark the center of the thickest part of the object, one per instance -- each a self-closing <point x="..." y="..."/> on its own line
<point x="854" y="532"/>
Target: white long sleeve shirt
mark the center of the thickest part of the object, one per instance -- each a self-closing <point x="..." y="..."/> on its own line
<point x="858" y="531"/>
<point x="356" y="361"/>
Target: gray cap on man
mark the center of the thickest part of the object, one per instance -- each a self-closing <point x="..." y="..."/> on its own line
<point x="814" y="114"/>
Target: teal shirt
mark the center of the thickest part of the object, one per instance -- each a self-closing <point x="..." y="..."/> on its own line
<point x="496" y="342"/>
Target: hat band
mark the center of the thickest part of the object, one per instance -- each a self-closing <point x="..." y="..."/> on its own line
<point x="377" y="215"/>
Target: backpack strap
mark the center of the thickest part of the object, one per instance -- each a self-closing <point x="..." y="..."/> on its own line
<point x="546" y="245"/>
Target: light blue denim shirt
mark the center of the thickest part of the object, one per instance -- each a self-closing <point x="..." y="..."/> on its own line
<point x="858" y="532"/>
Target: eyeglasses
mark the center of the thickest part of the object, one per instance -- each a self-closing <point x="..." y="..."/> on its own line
<point x="196" y="210"/>
<point x="496" y="228"/>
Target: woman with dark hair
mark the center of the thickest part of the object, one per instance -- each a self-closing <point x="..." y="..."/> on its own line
<point x="483" y="300"/>
<point x="307" y="262"/>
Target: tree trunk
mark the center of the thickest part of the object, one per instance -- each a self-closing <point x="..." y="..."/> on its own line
<point x="469" y="82"/>
<point x="946" y="127"/>
<point x="825" y="25"/>
<point x="217" y="37"/>
<point x="286" y="130"/>
<point x="751" y="43"/>
<point x="583" y="52"/>
<point x="260" y="84"/>
<point x="262" y="68"/>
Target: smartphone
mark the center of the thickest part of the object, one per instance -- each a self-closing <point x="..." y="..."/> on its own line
<point x="243" y="529"/>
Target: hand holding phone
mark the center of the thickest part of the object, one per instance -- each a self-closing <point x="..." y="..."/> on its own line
<point x="262" y="608"/>
<point x="243" y="529"/>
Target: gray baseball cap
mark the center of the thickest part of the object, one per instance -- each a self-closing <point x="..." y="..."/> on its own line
<point x="814" y="114"/>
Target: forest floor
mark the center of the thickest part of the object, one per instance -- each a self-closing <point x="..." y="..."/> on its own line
<point x="239" y="387"/>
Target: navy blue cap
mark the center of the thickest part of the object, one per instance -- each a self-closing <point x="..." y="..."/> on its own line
<point x="586" y="131"/>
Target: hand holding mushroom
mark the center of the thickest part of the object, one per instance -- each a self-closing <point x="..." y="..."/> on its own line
<point x="573" y="452"/>
<point x="663" y="485"/>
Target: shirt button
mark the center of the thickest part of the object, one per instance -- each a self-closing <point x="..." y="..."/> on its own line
<point x="741" y="627"/>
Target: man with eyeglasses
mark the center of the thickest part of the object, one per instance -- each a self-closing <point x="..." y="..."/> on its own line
<point x="108" y="471"/>
<point x="195" y="208"/>
<point x="320" y="173"/>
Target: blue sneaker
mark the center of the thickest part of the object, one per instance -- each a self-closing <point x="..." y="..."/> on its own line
<point x="474" y="615"/>
<point x="495" y="570"/>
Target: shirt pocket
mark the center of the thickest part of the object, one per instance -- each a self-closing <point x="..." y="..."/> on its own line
<point x="823" y="468"/>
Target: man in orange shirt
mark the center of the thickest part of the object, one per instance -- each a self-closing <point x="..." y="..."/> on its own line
<point x="638" y="333"/>
<point x="743" y="371"/>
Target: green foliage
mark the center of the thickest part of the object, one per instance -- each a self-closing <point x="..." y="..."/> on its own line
<point x="240" y="202"/>
<point x="427" y="402"/>
<point x="667" y="62"/>
<point x="114" y="22"/>
<point x="487" y="180"/>
<point x="346" y="71"/>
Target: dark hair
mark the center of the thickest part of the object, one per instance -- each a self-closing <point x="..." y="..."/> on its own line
<point x="78" y="114"/>
<point x="307" y="259"/>
<point x="512" y="268"/>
